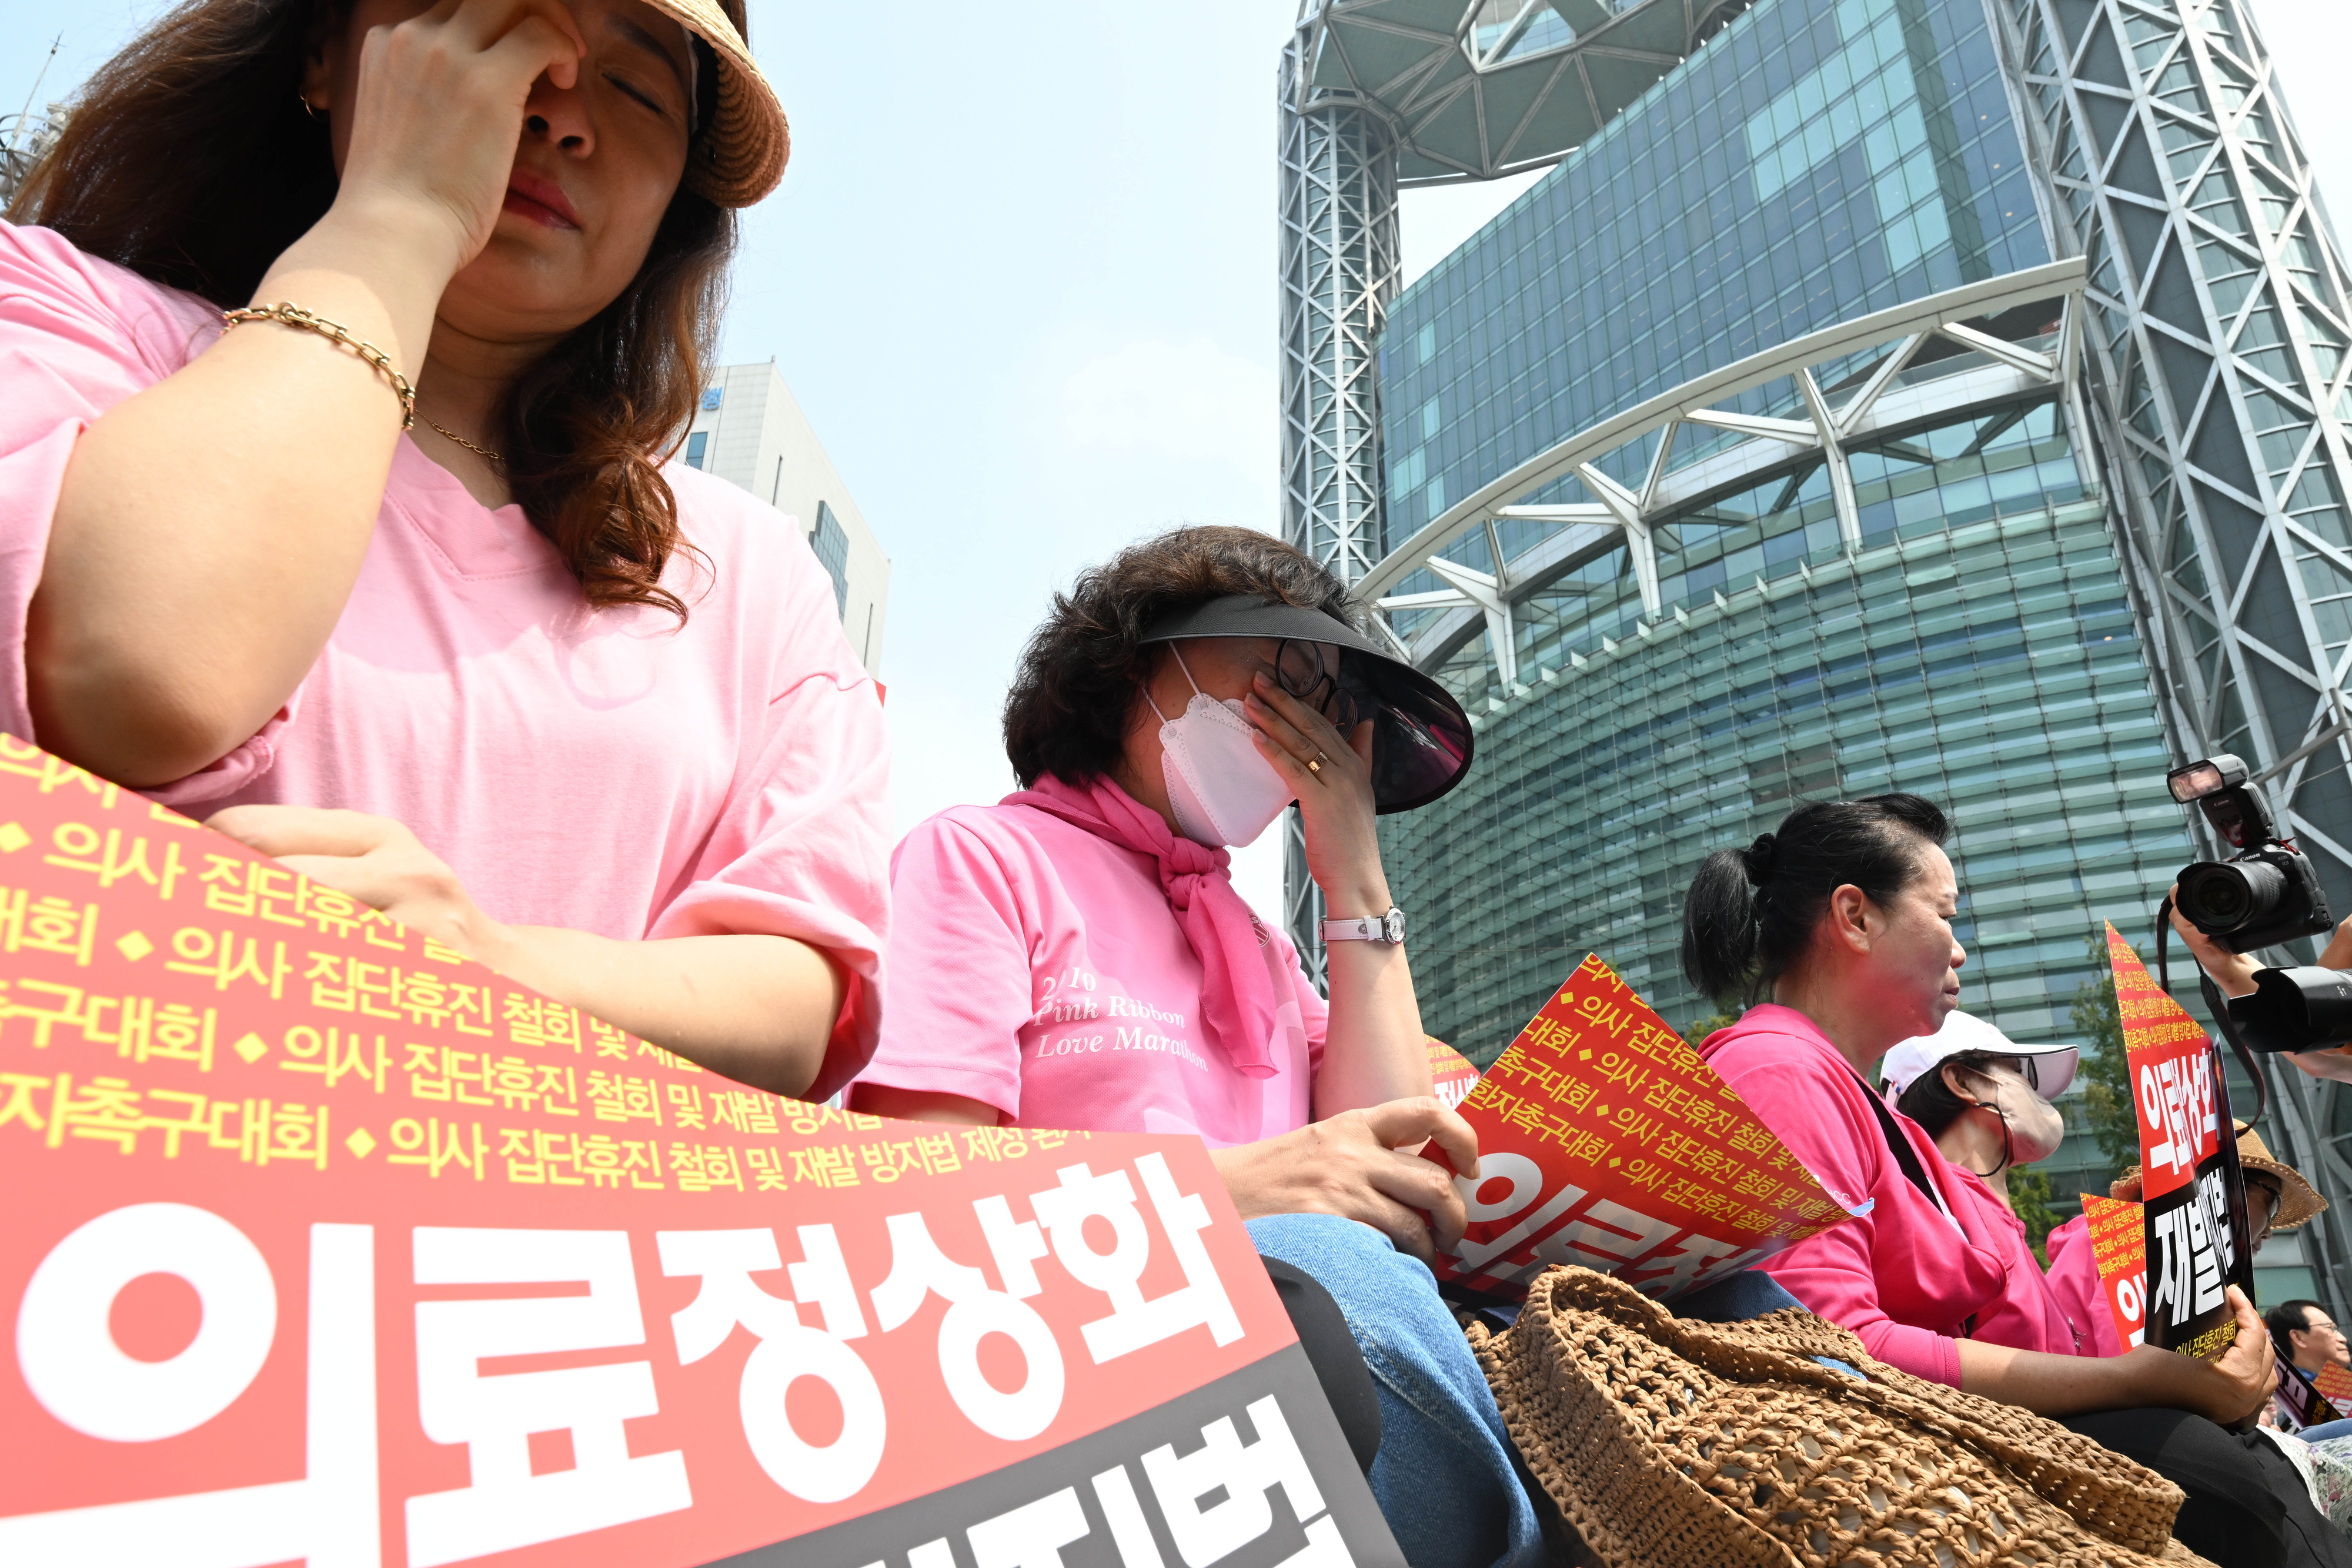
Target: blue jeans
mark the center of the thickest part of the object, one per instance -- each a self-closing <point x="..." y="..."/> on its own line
<point x="1444" y="1479"/>
<point x="2319" y="1434"/>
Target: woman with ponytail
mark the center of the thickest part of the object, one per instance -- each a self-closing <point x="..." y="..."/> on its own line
<point x="1838" y="928"/>
<point x="346" y="344"/>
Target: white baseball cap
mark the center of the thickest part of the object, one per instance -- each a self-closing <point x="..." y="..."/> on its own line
<point x="2052" y="1067"/>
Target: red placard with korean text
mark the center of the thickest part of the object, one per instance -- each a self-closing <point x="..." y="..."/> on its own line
<point x="2335" y="1385"/>
<point x="2192" y="1194"/>
<point x="1605" y="1142"/>
<point x="326" y="1244"/>
<point x="1451" y="1076"/>
<point x="2118" y="1242"/>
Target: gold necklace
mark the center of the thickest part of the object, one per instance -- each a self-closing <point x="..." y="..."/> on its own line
<point x="478" y="451"/>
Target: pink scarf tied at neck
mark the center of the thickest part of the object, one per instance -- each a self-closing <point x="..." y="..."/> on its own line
<point x="1237" y="988"/>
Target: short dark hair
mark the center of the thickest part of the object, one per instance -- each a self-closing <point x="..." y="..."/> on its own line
<point x="1067" y="711"/>
<point x="2289" y="1317"/>
<point x="1751" y="912"/>
<point x="1929" y="1101"/>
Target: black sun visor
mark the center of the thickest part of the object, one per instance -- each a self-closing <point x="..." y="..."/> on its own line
<point x="1422" y="744"/>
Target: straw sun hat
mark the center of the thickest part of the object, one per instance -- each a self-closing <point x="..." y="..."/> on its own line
<point x="739" y="156"/>
<point x="2298" y="1201"/>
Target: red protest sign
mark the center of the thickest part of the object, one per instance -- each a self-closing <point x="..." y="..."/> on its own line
<point x="2192" y="1195"/>
<point x="2119" y="1250"/>
<point x="330" y="1245"/>
<point x="1606" y="1143"/>
<point x="1451" y="1076"/>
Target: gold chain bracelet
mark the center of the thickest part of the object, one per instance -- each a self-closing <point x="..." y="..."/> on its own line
<point x="295" y="316"/>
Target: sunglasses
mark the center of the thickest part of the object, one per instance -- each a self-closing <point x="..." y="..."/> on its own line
<point x="1299" y="667"/>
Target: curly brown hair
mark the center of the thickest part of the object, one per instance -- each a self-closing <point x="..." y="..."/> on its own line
<point x="1072" y="697"/>
<point x="188" y="159"/>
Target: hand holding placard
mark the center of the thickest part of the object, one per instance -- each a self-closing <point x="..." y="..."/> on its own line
<point x="1605" y="1142"/>
<point x="2192" y="1194"/>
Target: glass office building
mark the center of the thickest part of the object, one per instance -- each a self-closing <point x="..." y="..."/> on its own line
<point x="1827" y="422"/>
<point x="1810" y="166"/>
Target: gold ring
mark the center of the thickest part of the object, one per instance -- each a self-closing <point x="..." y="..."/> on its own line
<point x="1314" y="764"/>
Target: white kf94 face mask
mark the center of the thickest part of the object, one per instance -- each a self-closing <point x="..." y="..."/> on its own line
<point x="1222" y="790"/>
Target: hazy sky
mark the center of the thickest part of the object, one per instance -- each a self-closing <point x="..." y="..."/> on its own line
<point x="1021" y="277"/>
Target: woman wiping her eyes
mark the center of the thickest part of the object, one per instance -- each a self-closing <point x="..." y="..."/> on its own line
<point x="342" y="370"/>
<point x="1076" y="957"/>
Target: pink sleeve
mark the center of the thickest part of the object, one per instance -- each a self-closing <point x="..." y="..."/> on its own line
<point x="2074" y="1279"/>
<point x="799" y="848"/>
<point x="960" y="980"/>
<point x="1833" y="1274"/>
<point x="78" y="336"/>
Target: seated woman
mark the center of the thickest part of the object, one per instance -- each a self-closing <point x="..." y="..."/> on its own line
<point x="1843" y="917"/>
<point x="1077" y="957"/>
<point x="510" y="677"/>
<point x="1985" y="1099"/>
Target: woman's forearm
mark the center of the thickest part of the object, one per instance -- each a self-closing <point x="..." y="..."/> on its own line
<point x="1374" y="1049"/>
<point x="210" y="527"/>
<point x="2044" y="1384"/>
<point x="759" y="1009"/>
<point x="2061" y="1385"/>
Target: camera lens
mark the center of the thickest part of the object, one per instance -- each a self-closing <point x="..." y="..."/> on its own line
<point x="2220" y="897"/>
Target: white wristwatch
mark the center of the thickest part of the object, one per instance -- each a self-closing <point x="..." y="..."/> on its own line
<point x="1389" y="927"/>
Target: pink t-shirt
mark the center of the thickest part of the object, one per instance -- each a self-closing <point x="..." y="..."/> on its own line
<point x="1909" y="1276"/>
<point x="604" y="770"/>
<point x="2075" y="1281"/>
<point x="1037" y="968"/>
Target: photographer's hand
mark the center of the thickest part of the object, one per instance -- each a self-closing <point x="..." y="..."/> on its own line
<point x="2234" y="972"/>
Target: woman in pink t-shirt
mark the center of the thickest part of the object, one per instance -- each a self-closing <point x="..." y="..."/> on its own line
<point x="1843" y="917"/>
<point x="1076" y="957"/>
<point x="388" y="574"/>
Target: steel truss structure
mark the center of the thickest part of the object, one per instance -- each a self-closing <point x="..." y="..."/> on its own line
<point x="1338" y="275"/>
<point x="1886" y="388"/>
<point x="2219" y="381"/>
<point x="1476" y="89"/>
<point x="1379" y="92"/>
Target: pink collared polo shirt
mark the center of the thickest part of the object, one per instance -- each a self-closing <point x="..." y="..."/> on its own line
<point x="1911" y="1277"/>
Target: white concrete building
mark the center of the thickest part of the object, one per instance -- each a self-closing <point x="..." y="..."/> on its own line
<point x="747" y="430"/>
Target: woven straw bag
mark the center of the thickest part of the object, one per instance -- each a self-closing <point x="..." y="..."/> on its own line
<point x="1669" y="1443"/>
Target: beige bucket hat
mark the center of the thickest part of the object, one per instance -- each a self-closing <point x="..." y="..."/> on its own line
<point x="739" y="157"/>
<point x="2298" y="1204"/>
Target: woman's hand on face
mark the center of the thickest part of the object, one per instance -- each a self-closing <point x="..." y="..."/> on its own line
<point x="1336" y="806"/>
<point x="439" y="113"/>
<point x="1361" y="1164"/>
<point x="374" y="859"/>
<point x="2234" y="972"/>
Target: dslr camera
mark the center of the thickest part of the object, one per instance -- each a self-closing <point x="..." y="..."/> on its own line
<point x="2267" y="892"/>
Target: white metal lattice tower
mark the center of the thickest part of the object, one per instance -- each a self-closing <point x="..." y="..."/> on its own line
<point x="1376" y="94"/>
<point x="1338" y="273"/>
<point x="2217" y="376"/>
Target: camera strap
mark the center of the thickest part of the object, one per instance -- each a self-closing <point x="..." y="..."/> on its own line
<point x="2217" y="1005"/>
